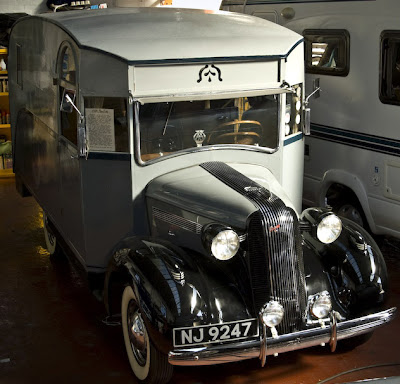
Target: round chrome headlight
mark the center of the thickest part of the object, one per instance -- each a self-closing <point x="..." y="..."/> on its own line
<point x="272" y="314"/>
<point x="225" y="244"/>
<point x="322" y="306"/>
<point x="329" y="229"/>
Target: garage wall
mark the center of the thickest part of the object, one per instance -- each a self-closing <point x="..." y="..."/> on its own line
<point x="38" y="6"/>
<point x="19" y="6"/>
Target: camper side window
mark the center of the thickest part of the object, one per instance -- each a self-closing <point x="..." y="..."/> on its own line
<point x="106" y="124"/>
<point x="390" y="68"/>
<point x="327" y="52"/>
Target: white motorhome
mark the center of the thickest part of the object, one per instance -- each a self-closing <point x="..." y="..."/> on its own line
<point x="352" y="158"/>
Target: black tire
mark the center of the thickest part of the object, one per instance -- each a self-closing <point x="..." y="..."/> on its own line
<point x="51" y="240"/>
<point x="352" y="210"/>
<point x="148" y="364"/>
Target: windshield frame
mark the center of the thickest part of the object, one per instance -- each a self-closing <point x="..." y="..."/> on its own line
<point x="137" y="102"/>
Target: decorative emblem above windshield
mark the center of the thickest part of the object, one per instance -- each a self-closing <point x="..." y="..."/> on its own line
<point x="208" y="71"/>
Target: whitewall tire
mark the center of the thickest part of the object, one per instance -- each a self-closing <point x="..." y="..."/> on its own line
<point x="50" y="238"/>
<point x="148" y="364"/>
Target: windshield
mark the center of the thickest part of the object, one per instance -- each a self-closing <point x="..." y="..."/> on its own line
<point x="168" y="127"/>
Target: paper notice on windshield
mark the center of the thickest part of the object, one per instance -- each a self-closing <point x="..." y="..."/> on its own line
<point x="100" y="129"/>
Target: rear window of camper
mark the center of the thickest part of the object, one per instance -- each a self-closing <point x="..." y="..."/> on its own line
<point x="390" y="68"/>
<point x="327" y="52"/>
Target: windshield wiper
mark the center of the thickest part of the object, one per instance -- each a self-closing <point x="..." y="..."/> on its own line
<point x="166" y="121"/>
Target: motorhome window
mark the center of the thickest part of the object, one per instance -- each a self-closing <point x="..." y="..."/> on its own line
<point x="168" y="127"/>
<point x="327" y="52"/>
<point x="390" y="68"/>
<point x="106" y="123"/>
<point x="68" y="68"/>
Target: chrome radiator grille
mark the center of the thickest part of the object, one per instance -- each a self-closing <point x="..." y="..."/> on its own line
<point x="274" y="248"/>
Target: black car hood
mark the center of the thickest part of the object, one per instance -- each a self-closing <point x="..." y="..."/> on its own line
<point x="196" y="190"/>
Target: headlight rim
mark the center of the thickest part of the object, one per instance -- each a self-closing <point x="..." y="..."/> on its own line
<point x="233" y="252"/>
<point x="210" y="231"/>
<point x="273" y="306"/>
<point x="326" y="216"/>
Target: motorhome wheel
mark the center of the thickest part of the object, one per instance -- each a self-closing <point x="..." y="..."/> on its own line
<point x="147" y="363"/>
<point x="352" y="212"/>
<point x="51" y="240"/>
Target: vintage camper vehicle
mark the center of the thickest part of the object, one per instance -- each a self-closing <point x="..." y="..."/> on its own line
<point x="352" y="158"/>
<point x="165" y="147"/>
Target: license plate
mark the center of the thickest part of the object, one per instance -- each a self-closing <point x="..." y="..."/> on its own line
<point x="216" y="333"/>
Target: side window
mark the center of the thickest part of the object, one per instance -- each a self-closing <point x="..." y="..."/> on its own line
<point x="327" y="52"/>
<point x="107" y="124"/>
<point x="67" y="81"/>
<point x="389" y="89"/>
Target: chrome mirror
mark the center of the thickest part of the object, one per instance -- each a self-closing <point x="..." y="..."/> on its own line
<point x="67" y="101"/>
<point x="315" y="94"/>
<point x="68" y="105"/>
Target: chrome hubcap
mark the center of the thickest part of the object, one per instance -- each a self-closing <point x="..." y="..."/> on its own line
<point x="137" y="333"/>
<point x="50" y="237"/>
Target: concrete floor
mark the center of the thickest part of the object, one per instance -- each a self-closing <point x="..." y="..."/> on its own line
<point x="52" y="330"/>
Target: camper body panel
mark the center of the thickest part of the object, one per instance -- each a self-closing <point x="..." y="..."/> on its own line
<point x="354" y="138"/>
<point x="102" y="74"/>
<point x="51" y="168"/>
<point x="45" y="160"/>
<point x="108" y="207"/>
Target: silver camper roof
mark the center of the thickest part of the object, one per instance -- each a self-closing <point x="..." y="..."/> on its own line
<point x="166" y="34"/>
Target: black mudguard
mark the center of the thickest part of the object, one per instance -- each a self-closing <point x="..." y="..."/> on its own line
<point x="175" y="288"/>
<point x="352" y="269"/>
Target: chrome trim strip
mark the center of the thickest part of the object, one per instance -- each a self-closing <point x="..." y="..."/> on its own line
<point x="242" y="237"/>
<point x="226" y="353"/>
<point x="333" y="339"/>
<point x="263" y="346"/>
<point x="179" y="221"/>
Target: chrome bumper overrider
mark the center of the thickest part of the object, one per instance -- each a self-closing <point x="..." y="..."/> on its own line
<point x="230" y="352"/>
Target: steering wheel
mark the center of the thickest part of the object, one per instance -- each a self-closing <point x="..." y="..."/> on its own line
<point x="236" y="134"/>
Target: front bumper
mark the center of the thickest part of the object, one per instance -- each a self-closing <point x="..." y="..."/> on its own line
<point x="226" y="353"/>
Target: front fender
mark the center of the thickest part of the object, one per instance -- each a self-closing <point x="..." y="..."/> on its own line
<point x="353" y="268"/>
<point x="175" y="287"/>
